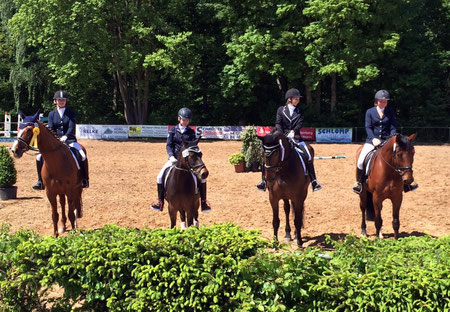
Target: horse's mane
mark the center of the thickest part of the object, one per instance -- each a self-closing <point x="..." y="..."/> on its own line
<point x="53" y="133"/>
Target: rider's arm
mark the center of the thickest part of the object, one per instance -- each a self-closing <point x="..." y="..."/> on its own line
<point x="72" y="122"/>
<point x="393" y="122"/>
<point x="369" y="126"/>
<point x="279" y="120"/>
<point x="170" y="146"/>
<point x="50" y="120"/>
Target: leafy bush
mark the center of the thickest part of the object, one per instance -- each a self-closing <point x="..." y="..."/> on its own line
<point x="218" y="268"/>
<point x="251" y="146"/>
<point x="8" y="173"/>
<point x="236" y="158"/>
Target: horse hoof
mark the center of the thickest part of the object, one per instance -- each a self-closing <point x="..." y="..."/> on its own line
<point x="196" y="223"/>
<point x="287" y="239"/>
<point x="61" y="230"/>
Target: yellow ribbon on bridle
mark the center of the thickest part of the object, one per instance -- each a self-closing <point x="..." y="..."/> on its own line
<point x="33" y="142"/>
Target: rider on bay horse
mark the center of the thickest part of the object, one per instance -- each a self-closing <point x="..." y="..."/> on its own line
<point x="289" y="121"/>
<point x="62" y="121"/>
<point x="176" y="135"/>
<point x="380" y="123"/>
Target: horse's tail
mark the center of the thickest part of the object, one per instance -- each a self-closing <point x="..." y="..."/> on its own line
<point x="370" y="211"/>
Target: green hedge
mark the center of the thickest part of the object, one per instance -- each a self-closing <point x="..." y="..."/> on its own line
<point x="217" y="268"/>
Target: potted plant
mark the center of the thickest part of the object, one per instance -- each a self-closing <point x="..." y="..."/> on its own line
<point x="251" y="148"/>
<point x="8" y="175"/>
<point x="238" y="160"/>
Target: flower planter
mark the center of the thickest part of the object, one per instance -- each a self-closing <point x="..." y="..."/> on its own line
<point x="240" y="167"/>
<point x="8" y="192"/>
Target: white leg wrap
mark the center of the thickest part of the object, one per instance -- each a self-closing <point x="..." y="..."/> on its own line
<point x="183" y="225"/>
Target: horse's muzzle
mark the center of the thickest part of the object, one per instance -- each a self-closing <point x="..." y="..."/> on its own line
<point x="408" y="177"/>
<point x="204" y="173"/>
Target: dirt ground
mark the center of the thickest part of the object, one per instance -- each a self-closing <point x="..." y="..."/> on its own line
<point x="123" y="184"/>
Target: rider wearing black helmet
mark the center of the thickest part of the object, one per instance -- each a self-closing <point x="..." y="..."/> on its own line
<point x="176" y="135"/>
<point x="289" y="121"/>
<point x="380" y="123"/>
<point x="62" y="121"/>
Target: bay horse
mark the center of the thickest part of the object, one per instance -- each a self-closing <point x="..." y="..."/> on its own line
<point x="286" y="180"/>
<point x="182" y="184"/>
<point x="391" y="167"/>
<point x="60" y="174"/>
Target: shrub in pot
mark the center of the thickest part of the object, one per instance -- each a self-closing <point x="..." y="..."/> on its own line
<point x="8" y="175"/>
<point x="251" y="148"/>
<point x="238" y="160"/>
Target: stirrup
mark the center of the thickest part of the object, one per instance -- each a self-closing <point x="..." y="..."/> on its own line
<point x="316" y="186"/>
<point x="158" y="205"/>
<point x="205" y="206"/>
<point x="357" y="188"/>
<point x="261" y="186"/>
<point x="39" y="186"/>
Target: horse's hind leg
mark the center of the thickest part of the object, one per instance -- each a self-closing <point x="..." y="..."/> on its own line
<point x="55" y="216"/>
<point x="396" y="203"/>
<point x="377" y="206"/>
<point x="287" y="209"/>
<point x="62" y="201"/>
<point x="183" y="219"/>
<point x="362" y="206"/>
<point x="72" y="217"/>
<point x="298" y="221"/>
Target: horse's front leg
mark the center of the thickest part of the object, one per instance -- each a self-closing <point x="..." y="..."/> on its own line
<point x="275" y="219"/>
<point x="55" y="216"/>
<point x="363" y="207"/>
<point x="62" y="201"/>
<point x="377" y="206"/>
<point x="298" y="222"/>
<point x="287" y="209"/>
<point x="72" y="217"/>
<point x="396" y="203"/>
<point x="173" y="216"/>
<point x="183" y="219"/>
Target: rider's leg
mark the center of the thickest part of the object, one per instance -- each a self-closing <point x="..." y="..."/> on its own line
<point x="357" y="187"/>
<point x="312" y="172"/>
<point x="84" y="168"/>
<point x="263" y="184"/>
<point x="158" y="204"/>
<point x="204" y="204"/>
<point x="39" y="163"/>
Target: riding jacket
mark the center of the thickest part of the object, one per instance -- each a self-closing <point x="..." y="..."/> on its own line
<point x="285" y="122"/>
<point x="175" y="139"/>
<point x="63" y="126"/>
<point x="377" y="127"/>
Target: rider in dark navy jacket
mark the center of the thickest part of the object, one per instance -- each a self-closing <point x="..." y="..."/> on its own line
<point x="289" y="120"/>
<point x="174" y="140"/>
<point x="380" y="123"/>
<point x="62" y="120"/>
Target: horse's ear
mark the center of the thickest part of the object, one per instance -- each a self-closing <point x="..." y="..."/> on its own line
<point x="22" y="115"/>
<point x="412" y="137"/>
<point x="36" y="116"/>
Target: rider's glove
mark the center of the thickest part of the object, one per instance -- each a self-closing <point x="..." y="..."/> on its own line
<point x="376" y="142"/>
<point x="291" y="134"/>
<point x="63" y="138"/>
<point x="173" y="159"/>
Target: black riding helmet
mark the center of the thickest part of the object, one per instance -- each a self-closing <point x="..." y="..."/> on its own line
<point x="60" y="94"/>
<point x="382" y="95"/>
<point x="292" y="93"/>
<point x="185" y="113"/>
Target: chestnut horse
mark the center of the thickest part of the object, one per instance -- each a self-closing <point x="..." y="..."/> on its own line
<point x="286" y="180"/>
<point x="60" y="173"/>
<point x="391" y="167"/>
<point x="182" y="184"/>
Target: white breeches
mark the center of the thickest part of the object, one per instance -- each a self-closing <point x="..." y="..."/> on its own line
<point x="365" y="150"/>
<point x="161" y="172"/>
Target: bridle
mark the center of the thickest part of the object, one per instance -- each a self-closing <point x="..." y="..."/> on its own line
<point x="401" y="170"/>
<point x="20" y="140"/>
<point x="185" y="154"/>
<point x="269" y="150"/>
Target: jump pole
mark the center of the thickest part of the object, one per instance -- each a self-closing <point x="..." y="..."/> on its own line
<point x="330" y="157"/>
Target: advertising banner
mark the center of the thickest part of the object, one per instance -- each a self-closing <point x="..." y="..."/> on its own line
<point x="102" y="132"/>
<point x="308" y="134"/>
<point x="334" y="135"/>
<point x="219" y="132"/>
<point x="262" y="131"/>
<point x="143" y="131"/>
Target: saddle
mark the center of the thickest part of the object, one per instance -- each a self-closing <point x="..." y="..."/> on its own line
<point x="76" y="155"/>
<point x="166" y="176"/>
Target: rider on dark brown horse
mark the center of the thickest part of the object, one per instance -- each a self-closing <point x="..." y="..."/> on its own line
<point x="289" y="121"/>
<point x="174" y="141"/>
<point x="380" y="123"/>
<point x="62" y="121"/>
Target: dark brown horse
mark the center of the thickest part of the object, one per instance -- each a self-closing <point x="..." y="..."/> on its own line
<point x="391" y="167"/>
<point x="182" y="185"/>
<point x="60" y="173"/>
<point x="286" y="180"/>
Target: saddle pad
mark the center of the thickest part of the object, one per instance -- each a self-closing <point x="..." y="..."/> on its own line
<point x="75" y="153"/>
<point x="167" y="173"/>
<point x="300" y="153"/>
<point x="367" y="161"/>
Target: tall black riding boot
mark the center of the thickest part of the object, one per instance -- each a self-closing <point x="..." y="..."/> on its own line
<point x="84" y="173"/>
<point x="357" y="187"/>
<point x="205" y="205"/>
<point x="39" y="185"/>
<point x="158" y="204"/>
<point x="312" y="174"/>
<point x="263" y="184"/>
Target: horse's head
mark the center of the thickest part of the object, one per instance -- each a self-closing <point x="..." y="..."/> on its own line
<point x="191" y="158"/>
<point x="403" y="156"/>
<point x="274" y="146"/>
<point x="26" y="128"/>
